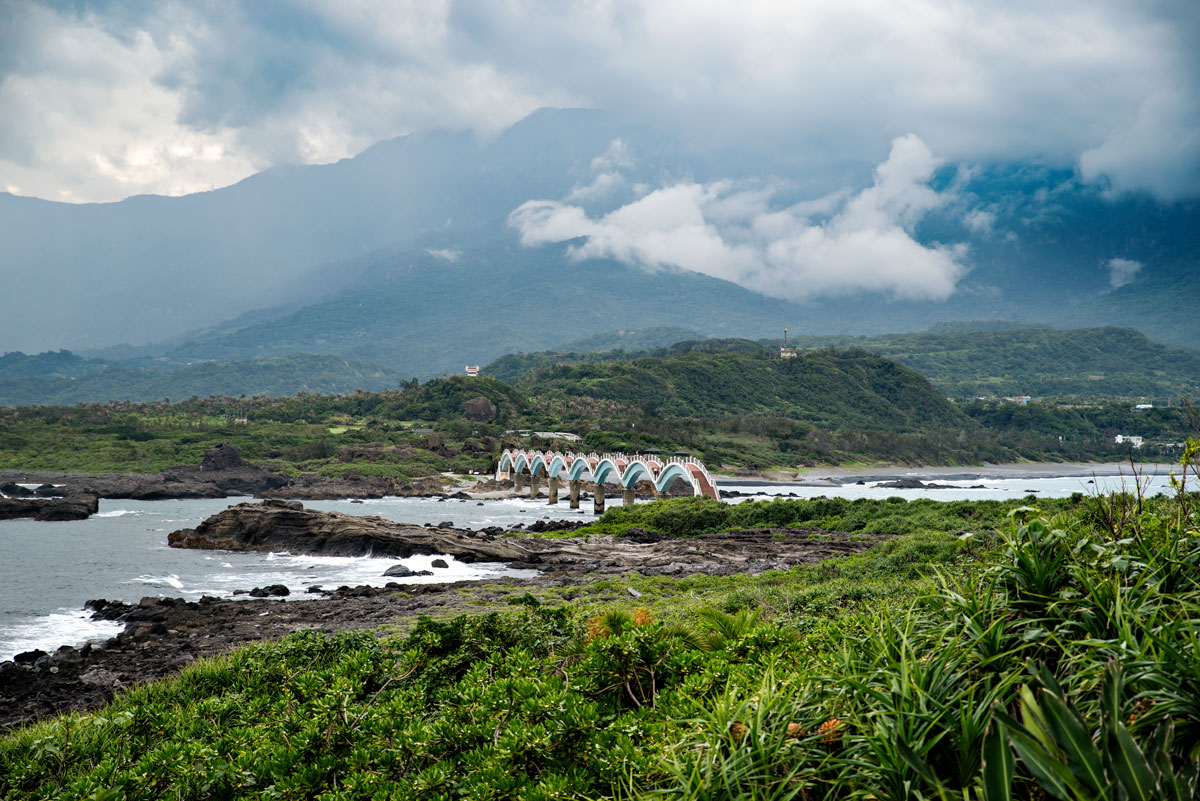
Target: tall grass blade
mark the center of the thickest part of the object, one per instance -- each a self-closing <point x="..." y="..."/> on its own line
<point x="998" y="764"/>
<point x="1133" y="769"/>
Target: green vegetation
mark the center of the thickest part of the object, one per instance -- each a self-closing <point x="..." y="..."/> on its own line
<point x="971" y="360"/>
<point x="63" y="378"/>
<point x="1059" y="659"/>
<point x="1082" y="363"/>
<point x="726" y="401"/>
<point x="699" y="515"/>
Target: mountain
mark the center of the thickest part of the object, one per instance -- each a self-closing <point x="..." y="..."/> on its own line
<point x="1091" y="362"/>
<point x="404" y="255"/>
<point x="837" y="389"/>
<point x="965" y="360"/>
<point x="280" y="376"/>
<point x="422" y="315"/>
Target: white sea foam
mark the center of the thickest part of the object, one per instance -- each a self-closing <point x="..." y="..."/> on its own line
<point x="120" y="513"/>
<point x="63" y="627"/>
<point x="171" y="580"/>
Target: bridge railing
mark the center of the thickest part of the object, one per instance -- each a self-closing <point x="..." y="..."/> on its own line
<point x="690" y="464"/>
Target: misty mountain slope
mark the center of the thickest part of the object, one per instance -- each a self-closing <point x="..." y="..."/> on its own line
<point x="151" y="267"/>
<point x="424" y="316"/>
<point x="279" y="376"/>
<point x="155" y="268"/>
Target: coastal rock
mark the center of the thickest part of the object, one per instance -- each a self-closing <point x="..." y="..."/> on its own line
<point x="270" y="526"/>
<point x="270" y="591"/>
<point x="400" y="571"/>
<point x="439" y="563"/>
<point x="912" y="483"/>
<point x="75" y="506"/>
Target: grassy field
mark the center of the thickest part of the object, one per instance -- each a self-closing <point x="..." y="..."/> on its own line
<point x="1056" y="658"/>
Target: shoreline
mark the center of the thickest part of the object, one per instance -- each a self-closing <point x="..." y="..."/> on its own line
<point x="839" y="476"/>
<point x="162" y="635"/>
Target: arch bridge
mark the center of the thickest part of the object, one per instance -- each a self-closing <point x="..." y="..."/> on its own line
<point x="529" y="467"/>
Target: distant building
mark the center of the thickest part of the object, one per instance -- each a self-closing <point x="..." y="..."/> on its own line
<point x="1021" y="399"/>
<point x="1141" y="407"/>
<point x="472" y="370"/>
<point x="422" y="430"/>
<point x="1132" y="440"/>
<point x="788" y="353"/>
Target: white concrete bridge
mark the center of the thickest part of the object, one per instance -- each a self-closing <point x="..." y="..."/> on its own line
<point x="532" y="466"/>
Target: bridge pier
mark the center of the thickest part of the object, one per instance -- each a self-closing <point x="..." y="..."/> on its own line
<point x="533" y="485"/>
<point x="627" y="498"/>
<point x="552" y="489"/>
<point x="573" y="492"/>
<point x="598" y="500"/>
<point x="518" y="481"/>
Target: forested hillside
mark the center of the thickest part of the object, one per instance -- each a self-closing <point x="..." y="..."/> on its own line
<point x="973" y="360"/>
<point x="842" y="388"/>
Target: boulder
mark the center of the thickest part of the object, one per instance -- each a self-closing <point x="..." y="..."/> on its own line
<point x="74" y="506"/>
<point x="222" y="457"/>
<point x="479" y="409"/>
<point x="270" y="591"/>
<point x="400" y="571"/>
<point x="439" y="563"/>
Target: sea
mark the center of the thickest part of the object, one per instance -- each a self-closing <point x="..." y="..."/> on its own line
<point x="48" y="570"/>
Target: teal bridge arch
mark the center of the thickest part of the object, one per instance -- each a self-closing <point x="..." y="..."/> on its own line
<point x="625" y="469"/>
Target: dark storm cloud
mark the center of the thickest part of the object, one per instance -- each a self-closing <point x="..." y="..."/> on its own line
<point x="102" y="99"/>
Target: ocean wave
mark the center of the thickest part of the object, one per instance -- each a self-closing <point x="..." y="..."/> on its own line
<point x="57" y="628"/>
<point x="171" y="580"/>
<point x="119" y="513"/>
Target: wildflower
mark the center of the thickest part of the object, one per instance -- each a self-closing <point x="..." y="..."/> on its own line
<point x="830" y="730"/>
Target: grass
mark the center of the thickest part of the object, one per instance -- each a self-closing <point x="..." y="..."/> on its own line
<point x="1057" y="659"/>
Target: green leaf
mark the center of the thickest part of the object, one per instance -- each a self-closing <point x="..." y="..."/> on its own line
<point x="1053" y="776"/>
<point x="1134" y="771"/>
<point x="913" y="761"/>
<point x="1072" y="736"/>
<point x="998" y="764"/>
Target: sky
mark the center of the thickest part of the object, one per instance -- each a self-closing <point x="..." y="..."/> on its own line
<point x="103" y="100"/>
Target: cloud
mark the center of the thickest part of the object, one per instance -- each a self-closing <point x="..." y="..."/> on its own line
<point x="1122" y="271"/>
<point x="1157" y="152"/>
<point x="607" y="173"/>
<point x="445" y="254"/>
<point x="103" y="99"/>
<point x="730" y="231"/>
<point x="979" y="221"/>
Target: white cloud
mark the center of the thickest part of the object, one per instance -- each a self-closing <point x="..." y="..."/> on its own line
<point x="445" y="254"/>
<point x="1157" y="152"/>
<point x="607" y="173"/>
<point x="980" y="221"/>
<point x="730" y="231"/>
<point x="1122" y="271"/>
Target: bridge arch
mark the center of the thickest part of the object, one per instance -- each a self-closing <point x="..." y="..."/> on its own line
<point x="603" y="468"/>
<point x="627" y="469"/>
<point x="557" y="465"/>
<point x="636" y="471"/>
<point x="580" y="466"/>
<point x="672" y="472"/>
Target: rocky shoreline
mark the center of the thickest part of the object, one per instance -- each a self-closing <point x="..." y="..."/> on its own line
<point x="163" y="634"/>
<point x="222" y="474"/>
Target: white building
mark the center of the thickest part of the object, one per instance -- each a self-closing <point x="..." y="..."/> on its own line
<point x="1132" y="440"/>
